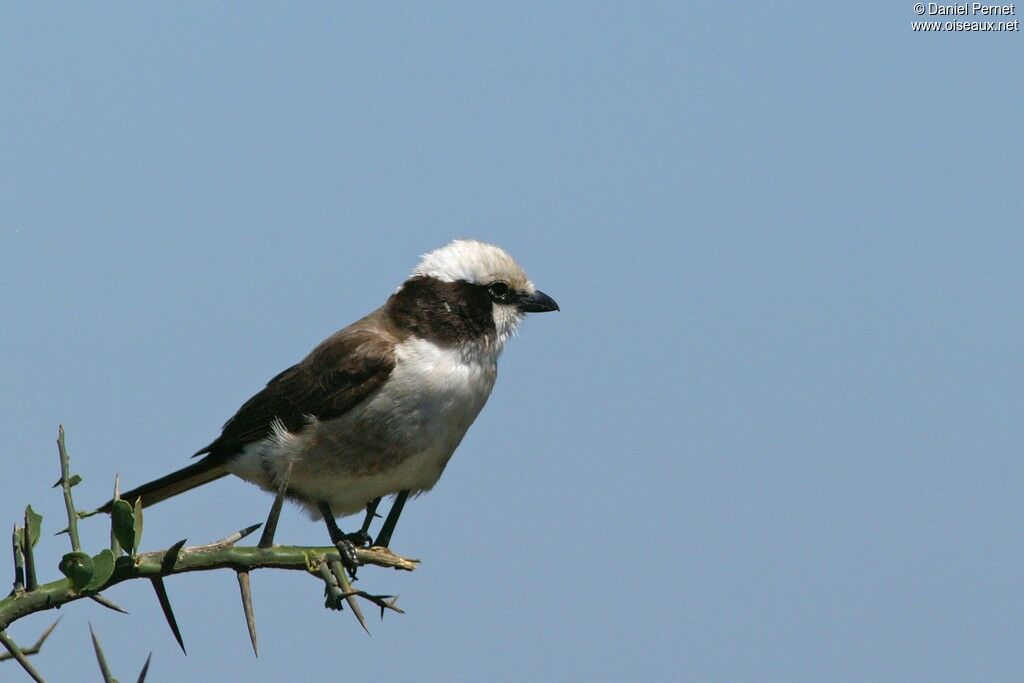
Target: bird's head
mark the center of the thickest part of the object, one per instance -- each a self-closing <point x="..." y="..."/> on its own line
<point x="486" y="273"/>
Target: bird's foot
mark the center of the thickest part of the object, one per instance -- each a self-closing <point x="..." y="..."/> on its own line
<point x="347" y="551"/>
<point x="359" y="539"/>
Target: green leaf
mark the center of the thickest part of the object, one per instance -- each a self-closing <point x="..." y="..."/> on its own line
<point x="138" y="525"/>
<point x="122" y="521"/>
<point x="103" y="567"/>
<point x="74" y="480"/>
<point x="78" y="567"/>
<point x="33" y="521"/>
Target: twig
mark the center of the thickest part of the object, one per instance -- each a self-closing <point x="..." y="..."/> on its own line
<point x="26" y="551"/>
<point x="65" y="483"/>
<point x="19" y="560"/>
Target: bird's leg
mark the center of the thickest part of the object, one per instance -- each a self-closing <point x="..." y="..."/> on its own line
<point x="364" y="531"/>
<point x="340" y="540"/>
<point x="388" y="528"/>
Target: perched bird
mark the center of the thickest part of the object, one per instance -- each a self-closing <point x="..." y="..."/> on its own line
<point x="379" y="407"/>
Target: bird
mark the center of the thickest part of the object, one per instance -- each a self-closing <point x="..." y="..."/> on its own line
<point x="379" y="407"/>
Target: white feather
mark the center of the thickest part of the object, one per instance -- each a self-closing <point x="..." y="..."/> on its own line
<point x="472" y="261"/>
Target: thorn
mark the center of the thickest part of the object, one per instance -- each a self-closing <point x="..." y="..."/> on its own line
<point x="350" y="597"/>
<point x="145" y="669"/>
<point x="42" y="639"/>
<point x="330" y="587"/>
<point x="391" y="604"/>
<point x="171" y="556"/>
<point x="12" y="647"/>
<point x="104" y="669"/>
<point x="238" y="535"/>
<point x="250" y="618"/>
<point x="165" y="605"/>
<point x="38" y="644"/>
<point x="383" y="602"/>
<point x="96" y="597"/>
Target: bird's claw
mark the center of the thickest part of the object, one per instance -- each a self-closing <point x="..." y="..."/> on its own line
<point x="349" y="560"/>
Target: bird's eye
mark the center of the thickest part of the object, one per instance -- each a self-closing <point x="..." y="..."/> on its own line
<point x="499" y="291"/>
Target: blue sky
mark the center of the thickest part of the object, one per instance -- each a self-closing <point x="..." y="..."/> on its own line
<point x="774" y="434"/>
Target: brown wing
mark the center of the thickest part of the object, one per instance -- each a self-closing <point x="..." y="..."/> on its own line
<point x="338" y="374"/>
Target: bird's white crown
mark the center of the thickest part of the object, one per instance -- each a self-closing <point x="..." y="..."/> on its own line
<point x="472" y="261"/>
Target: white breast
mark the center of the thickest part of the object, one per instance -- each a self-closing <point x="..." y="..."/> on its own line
<point x="448" y="384"/>
<point x="432" y="397"/>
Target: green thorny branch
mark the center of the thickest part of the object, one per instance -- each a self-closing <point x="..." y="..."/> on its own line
<point x="86" y="576"/>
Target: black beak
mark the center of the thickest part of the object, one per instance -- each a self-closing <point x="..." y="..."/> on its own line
<point x="538" y="302"/>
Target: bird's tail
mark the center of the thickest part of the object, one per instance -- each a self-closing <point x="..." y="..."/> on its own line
<point x="206" y="470"/>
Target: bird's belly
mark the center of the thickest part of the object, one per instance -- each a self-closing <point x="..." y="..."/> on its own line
<point x="400" y="439"/>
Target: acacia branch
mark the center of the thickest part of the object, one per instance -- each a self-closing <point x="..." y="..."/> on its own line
<point x="87" y="575"/>
<point x="195" y="559"/>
